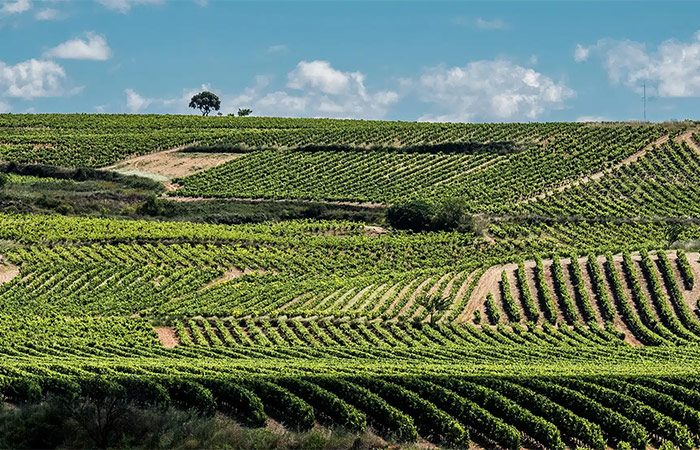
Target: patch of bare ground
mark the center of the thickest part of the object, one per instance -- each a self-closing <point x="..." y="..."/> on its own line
<point x="171" y="163"/>
<point x="489" y="282"/>
<point x="691" y="296"/>
<point x="8" y="272"/>
<point x="598" y="175"/>
<point x="167" y="337"/>
<point x="275" y="427"/>
<point x="231" y="274"/>
<point x="375" y="231"/>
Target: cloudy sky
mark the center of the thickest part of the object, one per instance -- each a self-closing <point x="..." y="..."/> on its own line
<point x="437" y="61"/>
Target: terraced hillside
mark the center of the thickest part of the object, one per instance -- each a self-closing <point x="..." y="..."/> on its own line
<point x="566" y="317"/>
<point x="335" y="333"/>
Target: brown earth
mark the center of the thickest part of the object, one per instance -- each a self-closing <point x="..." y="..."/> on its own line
<point x="8" y="272"/>
<point x="167" y="337"/>
<point x="171" y="163"/>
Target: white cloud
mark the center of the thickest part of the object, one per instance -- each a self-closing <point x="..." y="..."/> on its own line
<point x="495" y="24"/>
<point x="277" y="48"/>
<point x="4" y="107"/>
<point x="124" y="6"/>
<point x="134" y="102"/>
<point x="319" y="90"/>
<point x="33" y="78"/>
<point x="47" y="14"/>
<point x="15" y="7"/>
<point x="591" y="119"/>
<point x="93" y="47"/>
<point x="581" y="53"/>
<point x="671" y="70"/>
<point x="321" y="76"/>
<point x="491" y="90"/>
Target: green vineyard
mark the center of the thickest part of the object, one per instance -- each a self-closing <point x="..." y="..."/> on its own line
<point x="566" y="316"/>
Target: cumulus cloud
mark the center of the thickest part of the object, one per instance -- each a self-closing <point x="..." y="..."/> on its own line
<point x="92" y="46"/>
<point x="47" y="14"/>
<point x="15" y="7"/>
<point x="581" y="53"/>
<point x="316" y="89"/>
<point x="32" y="79"/>
<point x="134" y="102"/>
<point x="495" y="24"/>
<point x="124" y="6"/>
<point x="670" y="70"/>
<point x="489" y="90"/>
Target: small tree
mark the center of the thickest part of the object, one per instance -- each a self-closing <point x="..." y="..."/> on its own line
<point x="242" y="112"/>
<point x="673" y="233"/>
<point x="414" y="215"/>
<point x="434" y="304"/>
<point x="206" y="102"/>
<point x="451" y="214"/>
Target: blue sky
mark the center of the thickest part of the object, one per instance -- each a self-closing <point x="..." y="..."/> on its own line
<point x="440" y="61"/>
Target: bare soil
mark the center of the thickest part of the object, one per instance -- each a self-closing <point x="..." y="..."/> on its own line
<point x="167" y="337"/>
<point x="171" y="163"/>
<point x="8" y="272"/>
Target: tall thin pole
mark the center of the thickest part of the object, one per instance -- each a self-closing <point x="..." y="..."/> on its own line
<point x="645" y="101"/>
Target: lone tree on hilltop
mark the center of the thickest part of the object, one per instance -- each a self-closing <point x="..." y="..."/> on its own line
<point x="206" y="102"/>
<point x="242" y="112"/>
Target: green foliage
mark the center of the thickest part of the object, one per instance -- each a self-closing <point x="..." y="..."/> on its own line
<point x="415" y="215"/>
<point x="205" y="102"/>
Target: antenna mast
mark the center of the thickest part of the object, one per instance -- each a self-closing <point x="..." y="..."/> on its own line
<point x="645" y="101"/>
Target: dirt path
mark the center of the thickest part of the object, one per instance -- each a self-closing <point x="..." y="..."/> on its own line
<point x="171" y="163"/>
<point x="598" y="175"/>
<point x="489" y="282"/>
<point x="167" y="337"/>
<point x="687" y="137"/>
